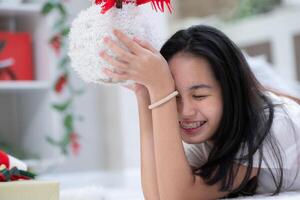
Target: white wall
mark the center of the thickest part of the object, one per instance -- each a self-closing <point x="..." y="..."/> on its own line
<point x="278" y="28"/>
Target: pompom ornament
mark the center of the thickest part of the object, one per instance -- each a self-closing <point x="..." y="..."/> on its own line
<point x="98" y="21"/>
<point x="12" y="169"/>
<point x="10" y="161"/>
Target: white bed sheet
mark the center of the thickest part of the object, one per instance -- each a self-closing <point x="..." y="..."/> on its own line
<point x="125" y="185"/>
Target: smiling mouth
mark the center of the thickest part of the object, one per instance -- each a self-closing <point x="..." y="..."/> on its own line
<point x="191" y="125"/>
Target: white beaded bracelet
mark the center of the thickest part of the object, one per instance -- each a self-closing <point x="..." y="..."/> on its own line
<point x="164" y="100"/>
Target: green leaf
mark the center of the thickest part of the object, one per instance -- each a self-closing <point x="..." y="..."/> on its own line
<point x="61" y="9"/>
<point x="65" y="31"/>
<point x="65" y="143"/>
<point x="65" y="140"/>
<point x="62" y="106"/>
<point x="68" y="123"/>
<point x="64" y="62"/>
<point x="47" y="8"/>
<point x="62" y="145"/>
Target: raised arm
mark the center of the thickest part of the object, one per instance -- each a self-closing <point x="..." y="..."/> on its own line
<point x="148" y="168"/>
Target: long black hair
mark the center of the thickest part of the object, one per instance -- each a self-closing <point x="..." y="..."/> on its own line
<point x="247" y="112"/>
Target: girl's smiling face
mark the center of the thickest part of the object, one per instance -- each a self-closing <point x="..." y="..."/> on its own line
<point x="199" y="102"/>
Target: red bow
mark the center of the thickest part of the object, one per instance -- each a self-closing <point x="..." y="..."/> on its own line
<point x="4" y="159"/>
<point x="156" y="4"/>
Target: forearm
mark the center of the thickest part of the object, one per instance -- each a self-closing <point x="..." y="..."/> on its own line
<point x="174" y="175"/>
<point x="148" y="171"/>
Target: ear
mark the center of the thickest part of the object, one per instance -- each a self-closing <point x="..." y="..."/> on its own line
<point x="2" y="44"/>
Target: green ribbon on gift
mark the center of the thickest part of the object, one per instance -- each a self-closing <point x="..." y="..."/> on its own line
<point x="15" y="174"/>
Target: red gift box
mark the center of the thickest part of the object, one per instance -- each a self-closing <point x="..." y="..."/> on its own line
<point x="16" y="56"/>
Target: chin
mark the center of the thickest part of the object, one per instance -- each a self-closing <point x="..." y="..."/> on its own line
<point x="194" y="140"/>
<point x="197" y="135"/>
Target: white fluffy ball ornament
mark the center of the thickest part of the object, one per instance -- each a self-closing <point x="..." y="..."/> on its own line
<point x="97" y="22"/>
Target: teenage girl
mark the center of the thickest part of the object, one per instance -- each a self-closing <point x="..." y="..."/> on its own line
<point x="211" y="129"/>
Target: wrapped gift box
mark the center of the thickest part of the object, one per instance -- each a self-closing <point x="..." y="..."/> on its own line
<point x="16" y="61"/>
<point x="29" y="190"/>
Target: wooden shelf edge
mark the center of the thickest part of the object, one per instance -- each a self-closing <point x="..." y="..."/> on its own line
<point x="24" y="85"/>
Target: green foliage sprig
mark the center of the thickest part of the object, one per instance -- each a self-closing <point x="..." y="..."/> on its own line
<point x="62" y="84"/>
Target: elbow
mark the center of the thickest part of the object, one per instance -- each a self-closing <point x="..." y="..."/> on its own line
<point x="186" y="196"/>
<point x="183" y="194"/>
<point x="182" y="197"/>
<point x="178" y="195"/>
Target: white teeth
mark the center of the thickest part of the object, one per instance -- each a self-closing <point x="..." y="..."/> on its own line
<point x="191" y="125"/>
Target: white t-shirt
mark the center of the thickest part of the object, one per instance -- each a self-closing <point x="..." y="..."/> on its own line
<point x="286" y="130"/>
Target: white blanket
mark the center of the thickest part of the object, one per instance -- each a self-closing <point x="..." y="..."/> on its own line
<point x="125" y="185"/>
<point x="99" y="193"/>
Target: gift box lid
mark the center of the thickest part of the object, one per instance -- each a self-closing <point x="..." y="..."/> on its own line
<point x="31" y="190"/>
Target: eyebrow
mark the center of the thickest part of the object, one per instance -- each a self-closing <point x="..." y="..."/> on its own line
<point x="200" y="86"/>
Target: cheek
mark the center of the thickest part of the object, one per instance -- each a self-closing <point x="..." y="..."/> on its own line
<point x="213" y="110"/>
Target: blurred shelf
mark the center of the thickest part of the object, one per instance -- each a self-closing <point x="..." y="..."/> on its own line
<point x="7" y="9"/>
<point x="11" y="86"/>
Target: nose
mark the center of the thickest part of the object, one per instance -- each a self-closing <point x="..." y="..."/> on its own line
<point x="186" y="108"/>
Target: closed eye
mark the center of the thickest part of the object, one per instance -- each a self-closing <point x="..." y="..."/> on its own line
<point x="199" y="96"/>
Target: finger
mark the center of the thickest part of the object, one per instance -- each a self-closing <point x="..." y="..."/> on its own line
<point x="114" y="62"/>
<point x="128" y="42"/>
<point x="145" y="44"/>
<point x="120" y="76"/>
<point x="120" y="52"/>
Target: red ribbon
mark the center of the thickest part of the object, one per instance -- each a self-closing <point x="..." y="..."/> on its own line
<point x="156" y="4"/>
<point x="4" y="159"/>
